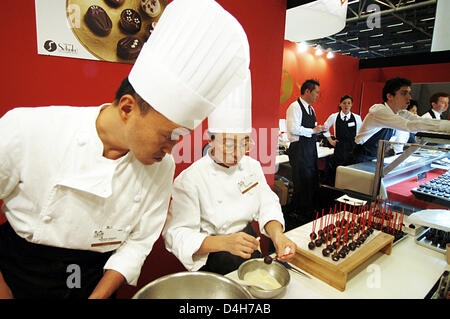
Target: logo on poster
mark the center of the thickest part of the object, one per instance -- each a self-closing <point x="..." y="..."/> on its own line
<point x="52" y="46"/>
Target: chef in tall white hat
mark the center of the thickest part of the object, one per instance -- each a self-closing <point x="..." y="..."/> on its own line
<point x="86" y="189"/>
<point x="216" y="199"/>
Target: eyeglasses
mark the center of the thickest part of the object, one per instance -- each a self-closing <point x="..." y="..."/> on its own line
<point x="229" y="145"/>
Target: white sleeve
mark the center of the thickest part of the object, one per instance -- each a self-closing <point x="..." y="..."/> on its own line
<point x="294" y="121"/>
<point x="182" y="232"/>
<point x="407" y="121"/>
<point x="269" y="204"/>
<point x="331" y="120"/>
<point x="9" y="153"/>
<point x="358" y="123"/>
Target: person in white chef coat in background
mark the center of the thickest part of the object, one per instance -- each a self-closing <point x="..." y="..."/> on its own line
<point x="215" y="200"/>
<point x="86" y="189"/>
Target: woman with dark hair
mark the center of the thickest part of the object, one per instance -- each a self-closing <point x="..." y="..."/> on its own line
<point x="346" y="125"/>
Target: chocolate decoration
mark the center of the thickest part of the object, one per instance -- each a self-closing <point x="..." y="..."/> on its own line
<point x="114" y="3"/>
<point x="128" y="48"/>
<point x="98" y="21"/>
<point x="311" y="245"/>
<point x="130" y="21"/>
<point x="152" y="8"/>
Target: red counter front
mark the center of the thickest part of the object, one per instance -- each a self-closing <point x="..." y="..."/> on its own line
<point x="401" y="192"/>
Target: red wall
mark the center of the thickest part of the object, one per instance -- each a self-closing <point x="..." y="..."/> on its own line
<point x="336" y="77"/>
<point x="29" y="79"/>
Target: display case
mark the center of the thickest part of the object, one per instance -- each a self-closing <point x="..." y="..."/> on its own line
<point x="399" y="178"/>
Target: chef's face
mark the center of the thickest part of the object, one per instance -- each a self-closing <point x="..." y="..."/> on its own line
<point x="441" y="105"/>
<point x="400" y="100"/>
<point x="228" y="149"/>
<point x="150" y="136"/>
<point x="346" y="105"/>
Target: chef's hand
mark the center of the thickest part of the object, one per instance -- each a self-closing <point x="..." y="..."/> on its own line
<point x="281" y="243"/>
<point x="332" y="142"/>
<point x="240" y="244"/>
<point x="5" y="292"/>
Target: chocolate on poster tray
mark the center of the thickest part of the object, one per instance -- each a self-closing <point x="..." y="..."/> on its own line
<point x="115" y="3"/>
<point x="128" y="48"/>
<point x="152" y="8"/>
<point x="130" y="21"/>
<point x="107" y="22"/>
<point x="98" y="20"/>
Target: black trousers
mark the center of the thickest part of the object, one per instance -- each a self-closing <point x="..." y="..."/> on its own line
<point x="305" y="176"/>
<point x="43" y="272"/>
<point x="223" y="262"/>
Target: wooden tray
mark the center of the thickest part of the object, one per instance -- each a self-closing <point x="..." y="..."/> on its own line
<point x="335" y="274"/>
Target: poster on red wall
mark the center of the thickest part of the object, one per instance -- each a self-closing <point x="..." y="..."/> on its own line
<point x="104" y="30"/>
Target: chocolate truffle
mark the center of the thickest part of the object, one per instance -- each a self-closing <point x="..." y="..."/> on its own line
<point x="128" y="48"/>
<point x="98" y="21"/>
<point x="152" y="8"/>
<point x="130" y="21"/>
<point x="115" y="3"/>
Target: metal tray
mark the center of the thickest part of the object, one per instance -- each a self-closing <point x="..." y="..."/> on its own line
<point x="421" y="240"/>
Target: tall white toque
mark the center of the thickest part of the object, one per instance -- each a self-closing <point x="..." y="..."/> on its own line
<point x="234" y="114"/>
<point x="197" y="54"/>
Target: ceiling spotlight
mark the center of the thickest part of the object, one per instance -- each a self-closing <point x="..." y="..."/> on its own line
<point x="302" y="47"/>
<point x="330" y="55"/>
<point x="319" y="50"/>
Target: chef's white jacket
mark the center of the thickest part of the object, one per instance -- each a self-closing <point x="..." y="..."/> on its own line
<point x="59" y="190"/>
<point x="209" y="199"/>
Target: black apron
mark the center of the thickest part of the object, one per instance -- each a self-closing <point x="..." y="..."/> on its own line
<point x="223" y="262"/>
<point x="305" y="173"/>
<point x="345" y="134"/>
<point x="44" y="272"/>
<point x="369" y="150"/>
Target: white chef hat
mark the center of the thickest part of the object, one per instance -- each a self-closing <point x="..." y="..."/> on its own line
<point x="197" y="54"/>
<point x="234" y="114"/>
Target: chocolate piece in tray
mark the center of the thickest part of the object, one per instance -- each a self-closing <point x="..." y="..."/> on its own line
<point x="98" y="21"/>
<point x="130" y="21"/>
<point x="128" y="48"/>
<point x="151" y="7"/>
<point x="115" y="3"/>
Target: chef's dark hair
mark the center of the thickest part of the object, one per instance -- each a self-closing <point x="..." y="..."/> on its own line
<point x="344" y="97"/>
<point x="126" y="88"/>
<point x="393" y="85"/>
<point x="309" y="84"/>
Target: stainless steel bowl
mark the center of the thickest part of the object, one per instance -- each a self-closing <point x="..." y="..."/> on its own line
<point x="280" y="273"/>
<point x="193" y="285"/>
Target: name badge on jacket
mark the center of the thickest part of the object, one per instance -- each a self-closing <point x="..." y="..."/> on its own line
<point x="247" y="183"/>
<point x="351" y="124"/>
<point x="108" y="236"/>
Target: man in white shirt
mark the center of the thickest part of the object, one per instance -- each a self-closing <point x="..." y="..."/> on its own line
<point x="439" y="104"/>
<point x="383" y="119"/>
<point x="302" y="131"/>
<point x="86" y="189"/>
